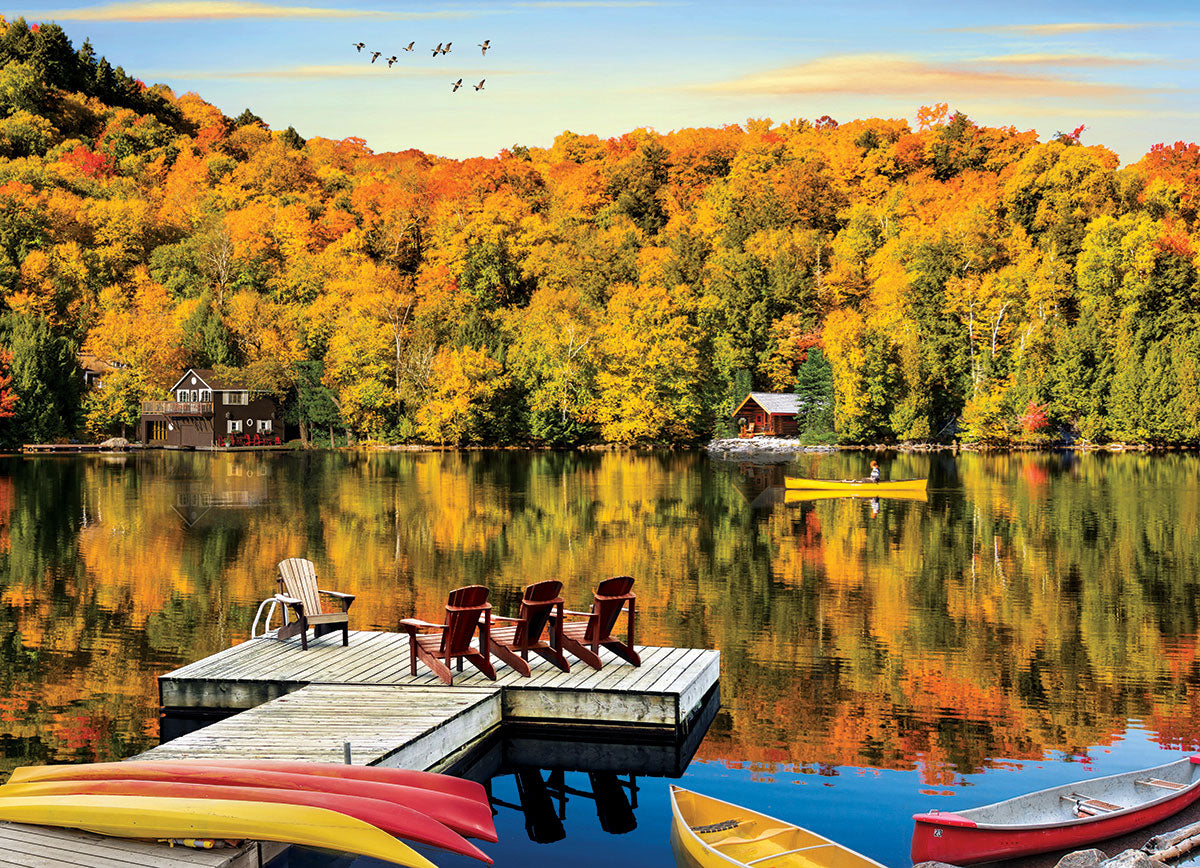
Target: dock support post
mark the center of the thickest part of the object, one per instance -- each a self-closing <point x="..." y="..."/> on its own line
<point x="346" y="751"/>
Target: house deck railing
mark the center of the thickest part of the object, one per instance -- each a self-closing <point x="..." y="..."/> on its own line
<point x="177" y="408"/>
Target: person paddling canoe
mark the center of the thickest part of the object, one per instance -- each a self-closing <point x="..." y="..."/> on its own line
<point x="874" y="471"/>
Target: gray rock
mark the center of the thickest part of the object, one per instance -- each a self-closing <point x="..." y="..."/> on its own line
<point x="1082" y="859"/>
<point x="934" y="864"/>
<point x="1129" y="859"/>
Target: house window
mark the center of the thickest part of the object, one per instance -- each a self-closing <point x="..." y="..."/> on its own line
<point x="182" y="395"/>
<point x="158" y="430"/>
<point x="237" y="397"/>
<point x="234" y="426"/>
<point x="205" y="395"/>
<point x="195" y="395"/>
<point x="264" y="426"/>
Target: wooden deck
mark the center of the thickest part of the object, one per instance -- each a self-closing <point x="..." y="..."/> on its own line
<point x="663" y="692"/>
<point x="393" y="726"/>
<point x="44" y="846"/>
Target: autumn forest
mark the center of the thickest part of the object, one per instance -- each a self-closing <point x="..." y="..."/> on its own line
<point x="959" y="280"/>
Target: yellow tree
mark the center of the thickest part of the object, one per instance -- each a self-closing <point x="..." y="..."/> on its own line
<point x="465" y="381"/>
<point x="649" y="378"/>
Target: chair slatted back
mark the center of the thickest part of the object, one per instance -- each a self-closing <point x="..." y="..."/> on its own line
<point x="464" y="607"/>
<point x="298" y="578"/>
<point x="611" y="596"/>
<point x="536" y="608"/>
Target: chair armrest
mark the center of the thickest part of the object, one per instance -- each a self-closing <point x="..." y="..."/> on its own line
<point x="288" y="601"/>
<point x="345" y="599"/>
<point x="412" y="625"/>
<point x="573" y="612"/>
<point x="502" y="618"/>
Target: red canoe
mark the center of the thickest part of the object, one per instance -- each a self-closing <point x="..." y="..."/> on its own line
<point x="1059" y="818"/>
<point x="394" y="819"/>
<point x="465" y="816"/>
<point x="403" y="777"/>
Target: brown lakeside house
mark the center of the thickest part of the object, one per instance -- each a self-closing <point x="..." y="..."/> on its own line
<point x="768" y="413"/>
<point x="209" y="412"/>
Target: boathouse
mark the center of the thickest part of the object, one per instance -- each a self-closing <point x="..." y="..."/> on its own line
<point x="208" y="411"/>
<point x="771" y="413"/>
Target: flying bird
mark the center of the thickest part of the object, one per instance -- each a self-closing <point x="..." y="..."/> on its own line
<point x="485" y="45"/>
<point x="457" y="85"/>
<point x="391" y="60"/>
<point x="410" y="45"/>
<point x="446" y="50"/>
<point x="437" y="50"/>
<point x="375" y="55"/>
<point x="480" y="85"/>
<point x="359" y="46"/>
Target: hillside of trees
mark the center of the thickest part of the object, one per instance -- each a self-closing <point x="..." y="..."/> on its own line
<point x="958" y="279"/>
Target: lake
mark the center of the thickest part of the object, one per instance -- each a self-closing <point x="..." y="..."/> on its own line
<point x="1033" y="622"/>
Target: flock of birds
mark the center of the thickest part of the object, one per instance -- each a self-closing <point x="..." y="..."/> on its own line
<point x="442" y="48"/>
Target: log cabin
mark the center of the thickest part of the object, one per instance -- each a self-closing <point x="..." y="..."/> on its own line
<point x="768" y="413"/>
<point x="208" y="411"/>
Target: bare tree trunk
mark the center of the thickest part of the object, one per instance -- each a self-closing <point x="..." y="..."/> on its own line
<point x="304" y="433"/>
<point x="331" y="440"/>
<point x="349" y="438"/>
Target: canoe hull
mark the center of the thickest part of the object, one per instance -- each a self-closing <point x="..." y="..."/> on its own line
<point x="394" y="819"/>
<point x="961" y="840"/>
<point x="157" y="818"/>
<point x="860" y="487"/>
<point x="791" y="846"/>
<point x="465" y="816"/>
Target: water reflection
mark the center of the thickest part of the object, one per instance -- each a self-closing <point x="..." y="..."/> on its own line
<point x="1030" y="608"/>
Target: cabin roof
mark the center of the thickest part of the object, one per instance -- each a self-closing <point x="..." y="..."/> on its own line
<point x="96" y="365"/>
<point x="212" y="380"/>
<point x="774" y="403"/>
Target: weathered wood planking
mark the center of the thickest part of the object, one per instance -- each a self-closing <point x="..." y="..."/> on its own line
<point x="663" y="692"/>
<point x="46" y="846"/>
<point x="409" y="727"/>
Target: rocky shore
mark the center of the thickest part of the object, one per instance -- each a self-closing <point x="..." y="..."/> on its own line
<point x="766" y="450"/>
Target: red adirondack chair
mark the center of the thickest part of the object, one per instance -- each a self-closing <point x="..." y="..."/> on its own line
<point x="585" y="638"/>
<point x="466" y="609"/>
<point x="541" y="607"/>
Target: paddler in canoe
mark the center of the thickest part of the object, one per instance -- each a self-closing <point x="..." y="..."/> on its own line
<point x="875" y="472"/>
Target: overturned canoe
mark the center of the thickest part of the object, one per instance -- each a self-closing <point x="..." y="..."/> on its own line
<point x="863" y="487"/>
<point x="157" y="818"/>
<point x="1059" y="818"/>
<point x="468" y="817"/>
<point x="397" y="820"/>
<point x="709" y="833"/>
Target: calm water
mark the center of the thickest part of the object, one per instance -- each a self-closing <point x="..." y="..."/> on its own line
<point x="1033" y="622"/>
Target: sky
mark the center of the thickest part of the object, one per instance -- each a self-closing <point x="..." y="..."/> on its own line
<point x="1126" y="70"/>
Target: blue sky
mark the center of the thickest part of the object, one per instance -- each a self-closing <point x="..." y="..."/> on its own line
<point x="1128" y="71"/>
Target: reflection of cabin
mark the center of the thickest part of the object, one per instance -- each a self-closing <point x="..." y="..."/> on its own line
<point x="768" y="413"/>
<point x="208" y="411"/>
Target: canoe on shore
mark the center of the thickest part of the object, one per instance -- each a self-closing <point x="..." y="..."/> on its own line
<point x="862" y="487"/>
<point x="1065" y="817"/>
<point x="397" y="820"/>
<point x="171" y="819"/>
<point x="709" y="833"/>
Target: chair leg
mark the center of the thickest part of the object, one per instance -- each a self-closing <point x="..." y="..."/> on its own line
<point x="345" y="635"/>
<point x="581" y="651"/>
<point x="505" y="654"/>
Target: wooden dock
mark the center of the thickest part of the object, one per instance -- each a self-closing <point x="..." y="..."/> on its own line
<point x="286" y="703"/>
<point x="662" y="693"/>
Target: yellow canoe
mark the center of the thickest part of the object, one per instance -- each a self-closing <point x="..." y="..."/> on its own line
<point x="796" y="496"/>
<point x="709" y="833"/>
<point x="158" y="818"/>
<point x="863" y="486"/>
